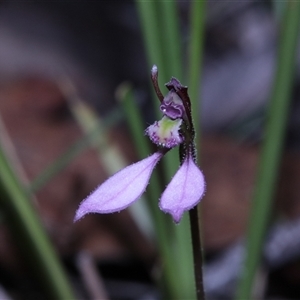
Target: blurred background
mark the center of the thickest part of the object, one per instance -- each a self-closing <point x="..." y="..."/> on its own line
<point x="62" y="62"/>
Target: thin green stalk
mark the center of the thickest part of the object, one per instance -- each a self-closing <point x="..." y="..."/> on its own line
<point x="151" y="29"/>
<point x="29" y="233"/>
<point x="272" y="146"/>
<point x="183" y="257"/>
<point x="195" y="58"/>
<point x="171" y="38"/>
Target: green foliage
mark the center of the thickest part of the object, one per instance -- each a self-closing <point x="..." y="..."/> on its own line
<point x="31" y="237"/>
<point x="272" y="146"/>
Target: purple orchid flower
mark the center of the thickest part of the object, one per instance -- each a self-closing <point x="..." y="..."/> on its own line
<point x="186" y="188"/>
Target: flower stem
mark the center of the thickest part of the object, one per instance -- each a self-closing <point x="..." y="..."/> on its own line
<point x="197" y="252"/>
<point x="195" y="53"/>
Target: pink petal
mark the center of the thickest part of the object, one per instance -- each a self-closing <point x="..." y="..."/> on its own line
<point x="120" y="190"/>
<point x="184" y="191"/>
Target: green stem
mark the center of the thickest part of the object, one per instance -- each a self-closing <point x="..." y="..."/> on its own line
<point x="28" y="232"/>
<point x="151" y="28"/>
<point x="197" y="252"/>
<point x="195" y="56"/>
<point x="171" y="38"/>
<point x="272" y="146"/>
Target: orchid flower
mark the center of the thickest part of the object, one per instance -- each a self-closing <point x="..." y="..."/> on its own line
<point x="186" y="188"/>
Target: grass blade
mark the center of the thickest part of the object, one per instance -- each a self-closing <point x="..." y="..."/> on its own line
<point x="29" y="233"/>
<point x="272" y="146"/>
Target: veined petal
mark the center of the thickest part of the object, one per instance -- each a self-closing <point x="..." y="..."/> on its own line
<point x="120" y="190"/>
<point x="184" y="191"/>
